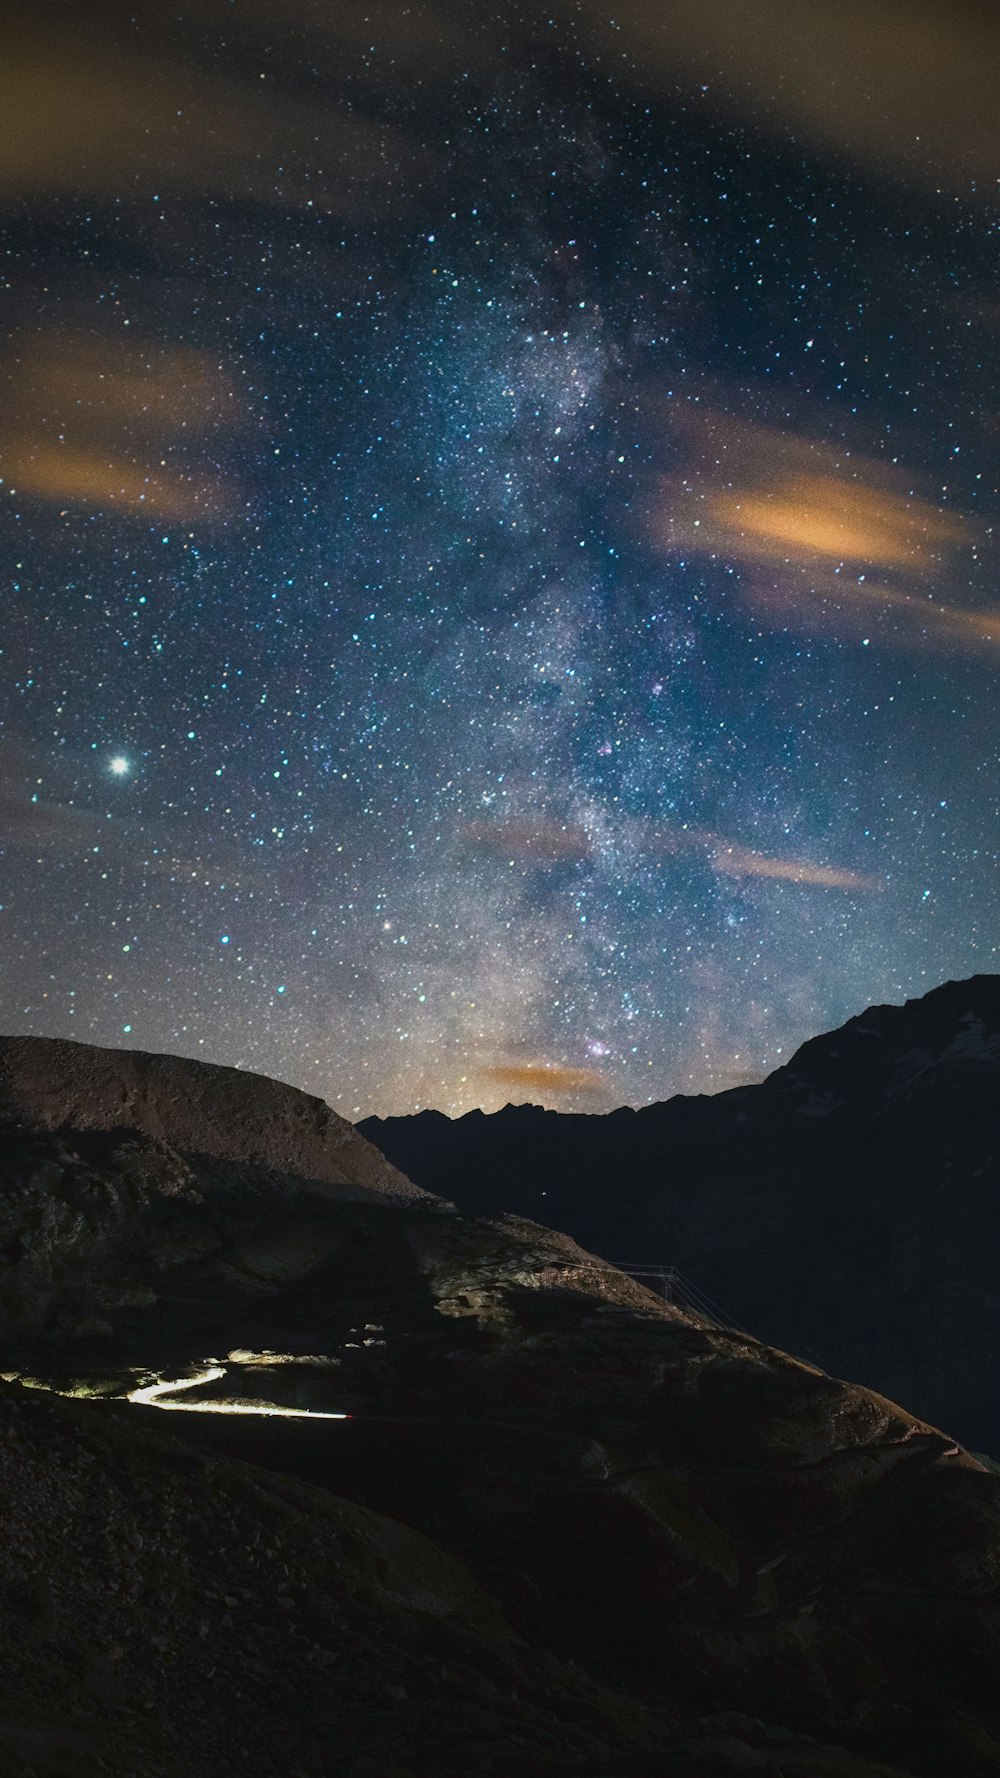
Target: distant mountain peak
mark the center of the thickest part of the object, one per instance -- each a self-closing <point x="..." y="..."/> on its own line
<point x="886" y="1047"/>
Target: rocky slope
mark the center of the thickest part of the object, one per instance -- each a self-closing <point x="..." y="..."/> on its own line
<point x="846" y="1209"/>
<point x="569" y="1530"/>
<point x="220" y="1113"/>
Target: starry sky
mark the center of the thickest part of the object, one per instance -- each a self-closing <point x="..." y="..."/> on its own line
<point x="499" y="534"/>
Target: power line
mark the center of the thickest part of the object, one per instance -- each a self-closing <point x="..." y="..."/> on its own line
<point x="674" y="1288"/>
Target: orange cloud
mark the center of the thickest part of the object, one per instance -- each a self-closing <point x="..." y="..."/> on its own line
<point x="776" y="498"/>
<point x="805" y="518"/>
<point x="908" y="620"/>
<point x="551" y="1079"/>
<point x="124" y="427"/>
<point x="900" y="86"/>
<point x="808" y="525"/>
<point x="729" y="859"/>
<point x="540" y="842"/>
<point x="115" y="384"/>
<point x="429" y="42"/>
<point x="549" y="842"/>
<point x="740" y="861"/>
<point x="91" y="115"/>
<point x="79" y="477"/>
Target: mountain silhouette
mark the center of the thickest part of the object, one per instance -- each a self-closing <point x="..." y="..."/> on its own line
<point x="569" y="1530"/>
<point x="846" y="1209"/>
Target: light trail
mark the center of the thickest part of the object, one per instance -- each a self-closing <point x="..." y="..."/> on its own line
<point x="155" y="1395"/>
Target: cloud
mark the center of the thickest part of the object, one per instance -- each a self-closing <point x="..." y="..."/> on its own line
<point x="730" y="859"/>
<point x="889" y="614"/>
<point x="48" y="830"/>
<point x="740" y="861"/>
<point x="906" y="87"/>
<point x="51" y="827"/>
<point x="430" y="41"/>
<point x="538" y="842"/>
<point x="118" y="424"/>
<point x="113" y="116"/>
<point x="546" y="843"/>
<point x="809" y="527"/>
<point x="760" y="495"/>
<point x="83" y="477"/>
<point x="806" y="518"/>
<point x="550" y="1079"/>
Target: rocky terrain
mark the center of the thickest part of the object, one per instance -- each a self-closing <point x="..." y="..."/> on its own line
<point x="568" y="1530"/>
<point x="846" y="1209"/>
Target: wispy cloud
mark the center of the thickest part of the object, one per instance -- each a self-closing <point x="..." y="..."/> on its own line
<point x="542" y="842"/>
<point x="900" y="619"/>
<point x="547" y="843"/>
<point x="430" y="41"/>
<point x="809" y="517"/>
<point x="902" y="87"/>
<point x="47" y="830"/>
<point x="823" y="538"/>
<point x="550" y="1079"/>
<point x="741" y="861"/>
<point x="117" y="424"/>
<point x="781" y="498"/>
<point x="130" y="116"/>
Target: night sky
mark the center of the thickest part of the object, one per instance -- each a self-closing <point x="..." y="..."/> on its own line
<point x="498" y="519"/>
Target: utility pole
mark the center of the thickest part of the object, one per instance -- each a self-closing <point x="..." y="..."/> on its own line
<point x="668" y="1280"/>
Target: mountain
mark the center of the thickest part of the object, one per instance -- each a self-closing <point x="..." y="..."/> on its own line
<point x="569" y="1530"/>
<point x="846" y="1209"/>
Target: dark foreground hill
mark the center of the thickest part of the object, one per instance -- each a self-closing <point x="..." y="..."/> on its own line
<point x="569" y="1532"/>
<point x="847" y="1209"/>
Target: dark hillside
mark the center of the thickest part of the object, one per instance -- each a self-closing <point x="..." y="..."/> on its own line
<point x="847" y="1209"/>
<point x="569" y="1531"/>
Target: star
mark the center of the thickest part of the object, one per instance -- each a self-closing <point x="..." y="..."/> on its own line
<point x="556" y="653"/>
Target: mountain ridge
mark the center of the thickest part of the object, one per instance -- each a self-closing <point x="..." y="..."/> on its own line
<point x="461" y="1498"/>
<point x="48" y="1082"/>
<point x="845" y="1208"/>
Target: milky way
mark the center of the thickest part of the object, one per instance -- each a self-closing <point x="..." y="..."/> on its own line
<point x="499" y="535"/>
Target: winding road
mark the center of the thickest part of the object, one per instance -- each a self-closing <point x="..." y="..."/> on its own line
<point x="161" y="1394"/>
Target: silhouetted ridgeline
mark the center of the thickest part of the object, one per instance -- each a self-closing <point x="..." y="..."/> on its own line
<point x="846" y="1209"/>
<point x="570" y="1531"/>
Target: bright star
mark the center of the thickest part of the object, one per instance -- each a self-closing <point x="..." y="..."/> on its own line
<point x="119" y="765"/>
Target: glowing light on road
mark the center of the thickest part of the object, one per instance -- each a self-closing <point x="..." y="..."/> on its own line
<point x="161" y="1394"/>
